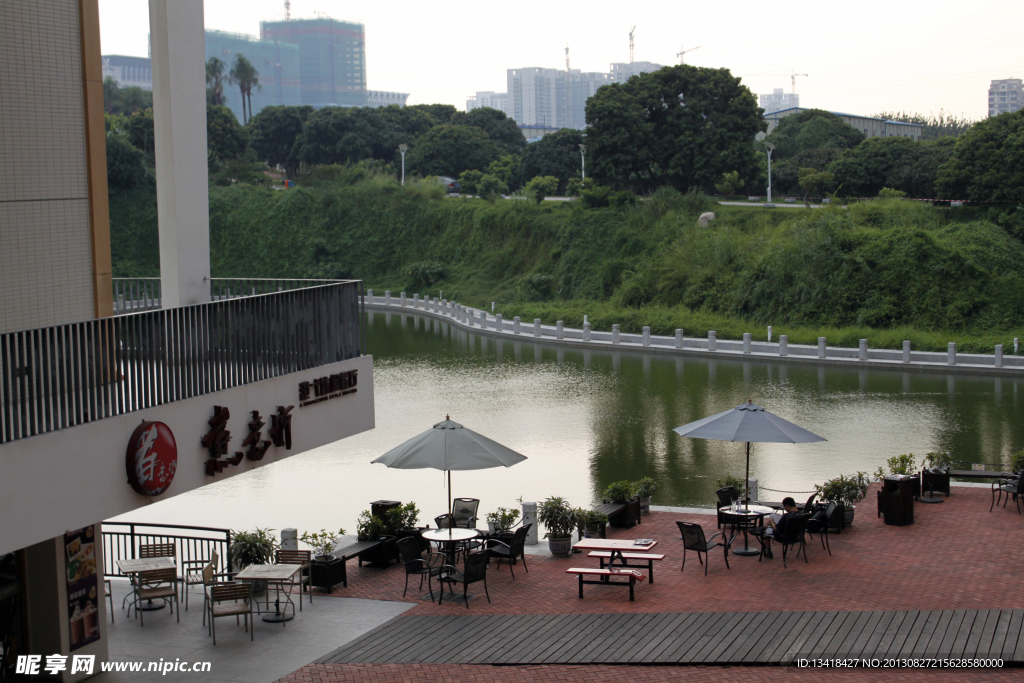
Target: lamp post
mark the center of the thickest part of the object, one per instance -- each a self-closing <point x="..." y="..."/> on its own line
<point x="583" y="161"/>
<point x="770" y="147"/>
<point x="403" y="148"/>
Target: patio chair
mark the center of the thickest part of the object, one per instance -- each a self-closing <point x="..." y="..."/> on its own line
<point x="819" y="523"/>
<point x="794" y="534"/>
<point x="726" y="496"/>
<point x="158" y="584"/>
<point x="464" y="512"/>
<point x="220" y="594"/>
<point x="693" y="539"/>
<point x="304" y="559"/>
<point x="475" y="570"/>
<point x="414" y="563"/>
<point x="194" y="577"/>
<point x="511" y="551"/>
<point x="149" y="550"/>
<point x="1011" y="486"/>
<point x="447" y="521"/>
<point x="108" y="593"/>
<point x="211" y="578"/>
<point x="809" y="505"/>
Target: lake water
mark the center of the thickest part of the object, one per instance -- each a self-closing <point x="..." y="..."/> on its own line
<point x="586" y="419"/>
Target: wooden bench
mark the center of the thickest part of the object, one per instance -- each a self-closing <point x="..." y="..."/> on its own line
<point x="609" y="510"/>
<point x="978" y="474"/>
<point x="355" y="550"/>
<point x="606" y="575"/>
<point x="646" y="560"/>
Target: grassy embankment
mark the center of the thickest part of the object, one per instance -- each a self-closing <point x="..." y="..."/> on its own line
<point x="884" y="271"/>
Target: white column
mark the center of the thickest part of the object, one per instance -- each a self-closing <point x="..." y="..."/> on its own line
<point x="516" y="323"/>
<point x="679" y="339"/>
<point x="906" y="350"/>
<point x="783" y="344"/>
<point x="951" y="354"/>
<point x="530" y="517"/>
<point x="586" y="331"/>
<point x="999" y="356"/>
<point x="862" y="353"/>
<point x="615" y="334"/>
<point x="712" y="340"/>
<point x="387" y="297"/>
<point x="822" y="341"/>
<point x="499" y="324"/>
<point x="177" y="41"/>
<point x="746" y="342"/>
<point x="403" y="299"/>
<point x="536" y="327"/>
<point x="560" y="329"/>
<point x="647" y="335"/>
<point x="289" y="539"/>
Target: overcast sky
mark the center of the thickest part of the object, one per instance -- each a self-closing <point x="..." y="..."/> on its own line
<point x="900" y="55"/>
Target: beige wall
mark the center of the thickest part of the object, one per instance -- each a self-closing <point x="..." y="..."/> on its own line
<point x="46" y="266"/>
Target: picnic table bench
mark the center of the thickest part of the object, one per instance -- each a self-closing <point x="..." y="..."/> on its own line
<point x="646" y="560"/>
<point x="606" y="574"/>
<point x="354" y="550"/>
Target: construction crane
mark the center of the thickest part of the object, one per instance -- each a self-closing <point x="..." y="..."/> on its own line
<point x="792" y="75"/>
<point x="682" y="53"/>
<point x="631" y="31"/>
<point x="567" y="70"/>
<point x="287" y="10"/>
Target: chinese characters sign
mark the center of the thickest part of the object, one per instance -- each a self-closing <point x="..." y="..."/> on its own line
<point x="151" y="458"/>
<point x="327" y="388"/>
<point x="83" y="594"/>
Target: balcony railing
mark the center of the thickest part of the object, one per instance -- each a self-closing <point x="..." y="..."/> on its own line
<point x="134" y="294"/>
<point x="57" y="377"/>
<point x="121" y="541"/>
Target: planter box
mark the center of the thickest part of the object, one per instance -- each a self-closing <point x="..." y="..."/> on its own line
<point x="382" y="555"/>
<point x="628" y="517"/>
<point x="938" y="482"/>
<point x="327" y="575"/>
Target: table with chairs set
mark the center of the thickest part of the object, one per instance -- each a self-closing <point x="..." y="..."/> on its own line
<point x="156" y="583"/>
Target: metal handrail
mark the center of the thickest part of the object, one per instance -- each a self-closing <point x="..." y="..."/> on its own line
<point x="190" y="549"/>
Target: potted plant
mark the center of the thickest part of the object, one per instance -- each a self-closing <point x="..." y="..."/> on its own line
<point x="325" y="569"/>
<point x="846" y="492"/>
<point x="401" y="523"/>
<point x="502" y="520"/>
<point x="623" y="492"/>
<point x="644" y="489"/>
<point x="734" y="482"/>
<point x="252" y="547"/>
<point x="904" y="465"/>
<point x="372" y="528"/>
<point x="591" y="521"/>
<point x="559" y="519"/>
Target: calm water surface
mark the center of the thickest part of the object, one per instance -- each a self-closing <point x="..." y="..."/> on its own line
<point x="585" y="419"/>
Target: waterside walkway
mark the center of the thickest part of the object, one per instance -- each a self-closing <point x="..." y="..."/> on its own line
<point x="481" y="322"/>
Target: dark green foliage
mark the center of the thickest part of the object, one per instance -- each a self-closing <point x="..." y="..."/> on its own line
<point x="898" y="163"/>
<point x="469" y="182"/>
<point x="126" y="166"/>
<point x="555" y="155"/>
<point x="496" y="125"/>
<point x="118" y="100"/>
<point x="424" y="274"/>
<point x="139" y="129"/>
<point x="449" y="150"/>
<point x="540" y="187"/>
<point x="272" y="134"/>
<point x="225" y="138"/>
<point x="682" y="126"/>
<point x="935" y="126"/>
<point x="987" y="162"/>
<point x="134" y="239"/>
<point x="812" y="129"/>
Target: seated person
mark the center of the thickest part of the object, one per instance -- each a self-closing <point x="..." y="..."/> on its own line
<point x="777" y="527"/>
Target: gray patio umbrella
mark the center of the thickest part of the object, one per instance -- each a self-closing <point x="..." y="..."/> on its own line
<point x="449" y="446"/>
<point x="747" y="422"/>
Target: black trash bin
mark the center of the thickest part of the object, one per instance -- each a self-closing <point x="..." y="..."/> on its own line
<point x="896" y="499"/>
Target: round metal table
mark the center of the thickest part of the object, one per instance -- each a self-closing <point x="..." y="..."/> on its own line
<point x="449" y="538"/>
<point x="750" y="514"/>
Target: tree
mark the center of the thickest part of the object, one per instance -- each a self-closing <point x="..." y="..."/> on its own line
<point x="497" y="125"/>
<point x="899" y="163"/>
<point x="225" y="138"/>
<point x="814" y="129"/>
<point x="215" y="78"/>
<point x="491" y="187"/>
<point x="272" y="134"/>
<point x="540" y="187"/>
<point x="812" y="180"/>
<point x="935" y="126"/>
<point x="449" y="150"/>
<point x="728" y="183"/>
<point x="139" y="129"/>
<point x="246" y="77"/>
<point x="469" y="182"/>
<point x="506" y="168"/>
<point x="557" y="154"/>
<point x="987" y="162"/>
<point x="118" y="100"/>
<point x="110" y="88"/>
<point x="125" y="163"/>
<point x="682" y="126"/>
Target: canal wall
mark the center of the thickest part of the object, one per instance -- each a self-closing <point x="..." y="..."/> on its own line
<point x="780" y="351"/>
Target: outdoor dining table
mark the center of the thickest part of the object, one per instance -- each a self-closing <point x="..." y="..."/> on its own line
<point x="615" y="546"/>
<point x="750" y="515"/>
<point x="146" y="564"/>
<point x="450" y="538"/>
<point x="275" y="574"/>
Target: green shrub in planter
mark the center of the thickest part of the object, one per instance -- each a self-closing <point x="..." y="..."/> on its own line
<point x="557" y="516"/>
<point x="898" y="464"/>
<point x="591" y="520"/>
<point x="620" y="492"/>
<point x="503" y="519"/>
<point x="252" y="547"/>
<point x="646" y="487"/>
<point x="736" y="482"/>
<point x="322" y="542"/>
<point x="370" y="527"/>
<point x="402" y="517"/>
<point x="940" y="460"/>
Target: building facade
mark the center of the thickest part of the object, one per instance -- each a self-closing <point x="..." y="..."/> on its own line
<point x="620" y="72"/>
<point x="276" y="61"/>
<point x="1005" y="96"/>
<point x="332" y="59"/>
<point x="489" y="98"/>
<point x="779" y="100"/>
<point x="381" y="98"/>
<point x="129" y="72"/>
<point x="871" y="127"/>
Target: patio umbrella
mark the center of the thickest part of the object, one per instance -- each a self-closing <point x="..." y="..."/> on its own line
<point x="449" y="446"/>
<point x="747" y="422"/>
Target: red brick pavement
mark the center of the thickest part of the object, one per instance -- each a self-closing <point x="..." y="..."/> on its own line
<point x="469" y="673"/>
<point x="955" y="555"/>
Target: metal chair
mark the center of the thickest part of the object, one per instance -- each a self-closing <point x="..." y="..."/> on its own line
<point x="304" y="559"/>
<point x="195" y="577"/>
<point x="475" y="570"/>
<point x="793" y="534"/>
<point x="819" y="523"/>
<point x="809" y="505"/>
<point x="1011" y="486"/>
<point x="511" y="551"/>
<point x="414" y="563"/>
<point x="221" y="593"/>
<point x="158" y="584"/>
<point x="464" y="512"/>
<point x="726" y="496"/>
<point x="693" y="539"/>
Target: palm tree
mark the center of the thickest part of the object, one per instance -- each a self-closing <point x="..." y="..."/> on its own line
<point x="215" y="80"/>
<point x="245" y="75"/>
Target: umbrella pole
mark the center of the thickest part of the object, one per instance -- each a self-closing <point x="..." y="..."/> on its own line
<point x="451" y="509"/>
<point x="746" y="480"/>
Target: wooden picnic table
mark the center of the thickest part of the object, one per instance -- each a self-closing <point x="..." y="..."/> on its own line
<point x="275" y="574"/>
<point x="615" y="546"/>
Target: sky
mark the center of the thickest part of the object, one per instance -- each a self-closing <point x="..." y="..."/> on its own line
<point x="906" y="55"/>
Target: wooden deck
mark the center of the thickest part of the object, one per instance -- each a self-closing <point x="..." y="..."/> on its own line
<point x="750" y="638"/>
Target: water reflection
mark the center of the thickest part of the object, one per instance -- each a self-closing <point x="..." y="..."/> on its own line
<point x="588" y="418"/>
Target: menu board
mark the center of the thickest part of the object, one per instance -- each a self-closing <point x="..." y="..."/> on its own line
<point x="83" y="587"/>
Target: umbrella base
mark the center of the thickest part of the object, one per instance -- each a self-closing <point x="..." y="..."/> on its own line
<point x="931" y="499"/>
<point x="746" y="551"/>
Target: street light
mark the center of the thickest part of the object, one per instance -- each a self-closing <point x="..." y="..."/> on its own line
<point x="403" y="148"/>
<point x="583" y="160"/>
<point x="770" y="147"/>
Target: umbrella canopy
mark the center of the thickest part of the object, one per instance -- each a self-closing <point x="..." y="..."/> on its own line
<point x="449" y="446"/>
<point x="747" y="422"/>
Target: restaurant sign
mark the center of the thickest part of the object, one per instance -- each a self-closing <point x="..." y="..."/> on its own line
<point x="151" y="458"/>
<point x="327" y="388"/>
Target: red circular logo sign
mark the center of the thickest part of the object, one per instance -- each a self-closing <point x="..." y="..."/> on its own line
<point x="151" y="458"/>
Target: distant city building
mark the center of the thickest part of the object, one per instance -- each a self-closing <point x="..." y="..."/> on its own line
<point x="277" y="63"/>
<point x="623" y="71"/>
<point x="779" y="100"/>
<point x="489" y="98"/>
<point x="380" y="98"/>
<point x="582" y="87"/>
<point x="1005" y="96"/>
<point x="129" y="72"/>
<point x="871" y="127"/>
<point x="533" y="133"/>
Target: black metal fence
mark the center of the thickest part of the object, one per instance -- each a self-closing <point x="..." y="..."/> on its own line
<point x="121" y="541"/>
<point x="57" y="377"/>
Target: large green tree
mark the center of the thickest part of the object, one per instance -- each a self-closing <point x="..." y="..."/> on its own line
<point x="555" y="155"/>
<point x="118" y="100"/>
<point x="682" y="126"/>
<point x="139" y="129"/>
<point x="246" y="77"/>
<point x="497" y="125"/>
<point x="449" y="150"/>
<point x="273" y="131"/>
<point x="125" y="163"/>
<point x="225" y="138"/>
<point x="987" y="162"/>
<point x="898" y="163"/>
<point x="814" y="129"/>
<point x="215" y="77"/>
